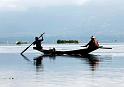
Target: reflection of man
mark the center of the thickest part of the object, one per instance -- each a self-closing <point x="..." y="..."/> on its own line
<point x="93" y="61"/>
<point x="37" y="42"/>
<point x="93" y="43"/>
<point x="38" y="63"/>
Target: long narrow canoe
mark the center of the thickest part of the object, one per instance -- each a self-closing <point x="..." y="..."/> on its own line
<point x="83" y="51"/>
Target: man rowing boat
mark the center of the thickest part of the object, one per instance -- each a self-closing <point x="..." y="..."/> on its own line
<point x="37" y="42"/>
<point x="91" y="46"/>
<point x="93" y="43"/>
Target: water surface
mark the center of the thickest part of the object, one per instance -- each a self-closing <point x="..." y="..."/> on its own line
<point x="102" y="68"/>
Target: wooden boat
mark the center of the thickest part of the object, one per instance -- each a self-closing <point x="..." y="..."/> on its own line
<point x="83" y="51"/>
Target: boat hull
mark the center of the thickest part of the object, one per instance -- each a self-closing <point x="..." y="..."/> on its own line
<point x="70" y="52"/>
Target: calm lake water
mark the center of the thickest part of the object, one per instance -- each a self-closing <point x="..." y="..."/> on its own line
<point x="102" y="68"/>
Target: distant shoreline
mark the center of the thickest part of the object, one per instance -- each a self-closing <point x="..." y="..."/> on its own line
<point x="67" y="42"/>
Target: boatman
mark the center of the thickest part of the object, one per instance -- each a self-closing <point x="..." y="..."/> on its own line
<point x="93" y="43"/>
<point x="37" y="42"/>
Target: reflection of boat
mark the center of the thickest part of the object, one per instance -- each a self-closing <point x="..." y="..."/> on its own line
<point x="91" y="60"/>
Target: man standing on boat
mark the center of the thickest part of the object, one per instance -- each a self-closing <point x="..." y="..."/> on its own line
<point x="37" y="42"/>
<point x="93" y="43"/>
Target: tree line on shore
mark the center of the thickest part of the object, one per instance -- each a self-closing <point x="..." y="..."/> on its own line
<point x="67" y="41"/>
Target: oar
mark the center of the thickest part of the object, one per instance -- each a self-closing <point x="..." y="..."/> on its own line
<point x="105" y="47"/>
<point x="31" y="44"/>
<point x="83" y="46"/>
<point x="101" y="47"/>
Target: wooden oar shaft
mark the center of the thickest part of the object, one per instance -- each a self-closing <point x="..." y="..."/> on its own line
<point x="105" y="47"/>
<point x="31" y="44"/>
<point x="26" y="48"/>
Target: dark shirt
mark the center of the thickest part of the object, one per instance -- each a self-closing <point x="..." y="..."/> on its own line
<point x="93" y="44"/>
<point x="38" y="43"/>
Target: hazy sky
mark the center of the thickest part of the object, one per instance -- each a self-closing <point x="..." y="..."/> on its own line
<point x="10" y="10"/>
<point x="62" y="17"/>
<point x="26" y="4"/>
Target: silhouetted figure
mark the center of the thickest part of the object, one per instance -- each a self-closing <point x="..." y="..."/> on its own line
<point x="37" y="42"/>
<point x="93" y="43"/>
